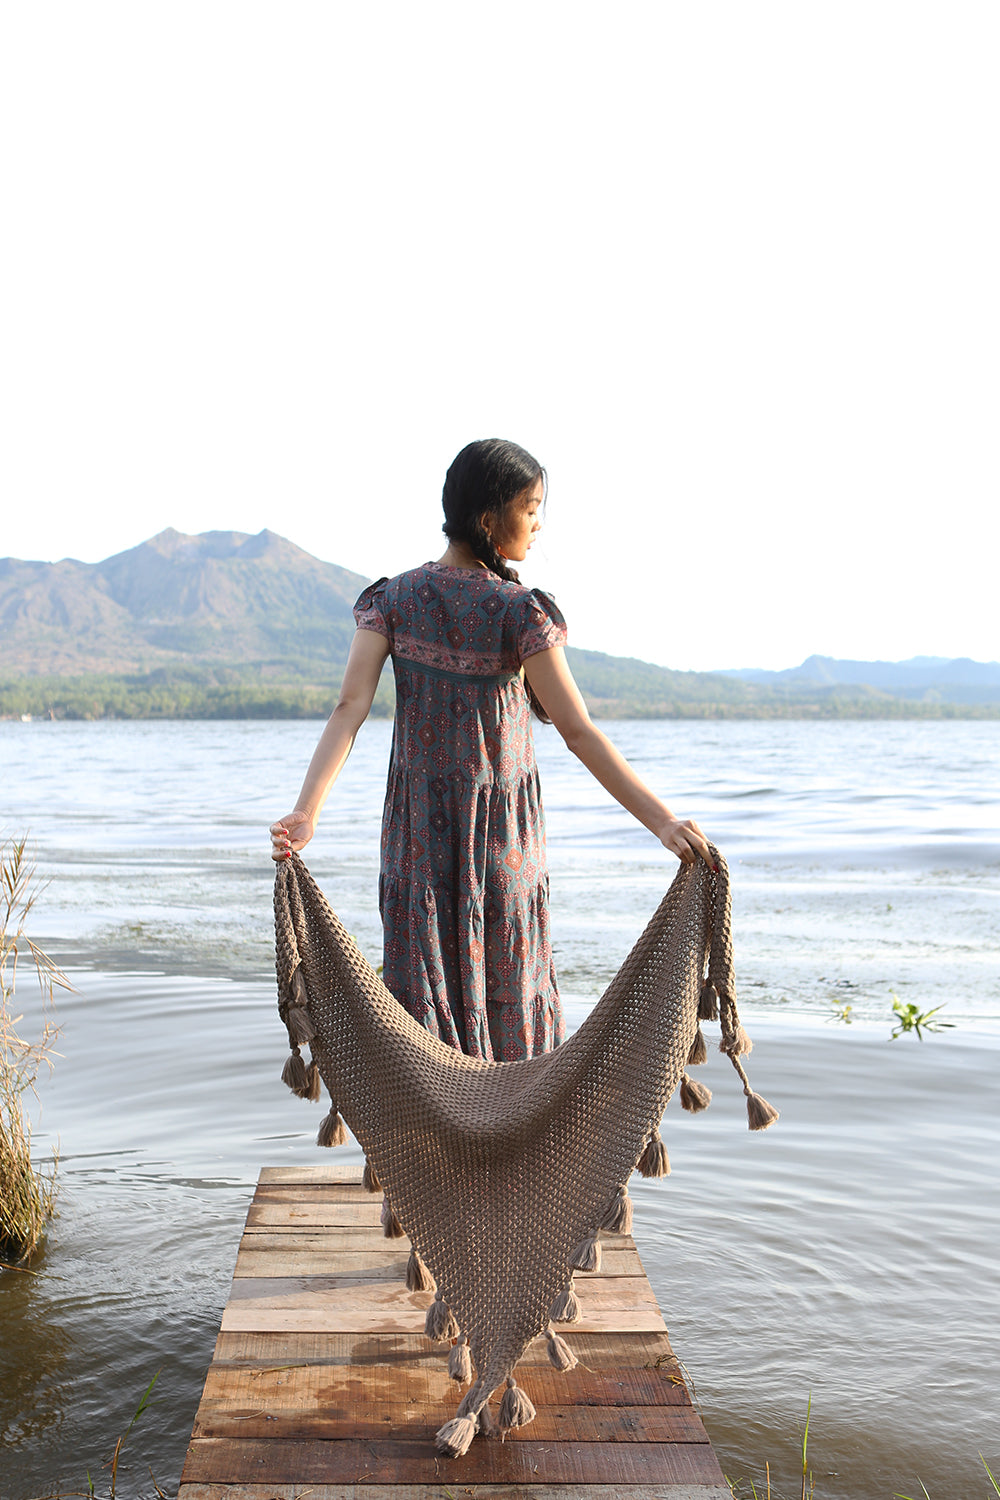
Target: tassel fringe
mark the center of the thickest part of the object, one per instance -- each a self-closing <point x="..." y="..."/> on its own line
<point x="559" y="1352"/>
<point x="566" y="1307"/>
<point x="587" y="1255"/>
<point x="694" y="1096"/>
<point x="654" y="1161"/>
<point x="699" y="1052"/>
<point x="439" y="1323"/>
<point x="760" y="1114"/>
<point x="418" y="1278"/>
<point x="618" y="1219"/>
<point x="332" y="1130"/>
<point x="455" y="1438"/>
<point x="300" y="1026"/>
<point x="708" y="1002"/>
<point x="300" y="1077"/>
<point x="460" y="1361"/>
<point x="391" y="1227"/>
<point x="515" y="1408"/>
<point x="369" y="1181"/>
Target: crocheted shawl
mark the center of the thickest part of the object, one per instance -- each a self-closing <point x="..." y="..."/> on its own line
<point x="503" y="1174"/>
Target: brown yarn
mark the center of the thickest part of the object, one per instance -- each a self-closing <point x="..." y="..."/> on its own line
<point x="520" y="1160"/>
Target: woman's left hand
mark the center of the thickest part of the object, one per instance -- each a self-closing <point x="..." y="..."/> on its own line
<point x="684" y="838"/>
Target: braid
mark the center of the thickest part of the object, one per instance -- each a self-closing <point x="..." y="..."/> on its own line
<point x="482" y="481"/>
<point x="485" y="549"/>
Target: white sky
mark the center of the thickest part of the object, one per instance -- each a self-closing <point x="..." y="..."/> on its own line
<point x="730" y="270"/>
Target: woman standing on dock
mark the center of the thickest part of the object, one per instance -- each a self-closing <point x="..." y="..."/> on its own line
<point x="463" y="888"/>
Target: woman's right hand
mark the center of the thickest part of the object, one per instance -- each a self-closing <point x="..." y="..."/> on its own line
<point x="293" y="832"/>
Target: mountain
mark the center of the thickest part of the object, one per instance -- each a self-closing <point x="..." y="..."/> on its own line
<point x="229" y="625"/>
<point x="928" y="678"/>
<point x="222" y="596"/>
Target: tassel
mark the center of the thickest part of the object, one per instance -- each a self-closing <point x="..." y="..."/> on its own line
<point x="618" y="1219"/>
<point x="439" y="1323"/>
<point x="560" y="1354"/>
<point x="460" y="1361"/>
<point x="312" y="1084"/>
<point x="455" y="1437"/>
<point x="391" y="1227"/>
<point x="300" y="995"/>
<point x="566" y="1307"/>
<point x="654" y="1161"/>
<point x="699" y="1052"/>
<point x="587" y="1255"/>
<point x="332" y="1130"/>
<point x="694" y="1096"/>
<point x="295" y="1073"/>
<point x="515" y="1408"/>
<point x="736" y="1043"/>
<point x="369" y="1181"/>
<point x="418" y="1278"/>
<point x="708" y="1002"/>
<point x="760" y="1114"/>
<point x="300" y="1026"/>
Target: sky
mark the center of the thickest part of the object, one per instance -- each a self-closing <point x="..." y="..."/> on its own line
<point x="728" y="270"/>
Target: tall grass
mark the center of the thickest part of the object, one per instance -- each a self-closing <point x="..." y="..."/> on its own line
<point x="26" y="1192"/>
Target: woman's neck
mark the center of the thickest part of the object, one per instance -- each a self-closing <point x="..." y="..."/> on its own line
<point x="460" y="555"/>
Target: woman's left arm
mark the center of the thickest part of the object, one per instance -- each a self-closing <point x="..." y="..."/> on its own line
<point x="551" y="679"/>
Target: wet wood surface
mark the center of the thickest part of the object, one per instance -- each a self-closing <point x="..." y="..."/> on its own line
<point x="322" y="1376"/>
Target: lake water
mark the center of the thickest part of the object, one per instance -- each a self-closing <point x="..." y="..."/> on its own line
<point x="850" y="1252"/>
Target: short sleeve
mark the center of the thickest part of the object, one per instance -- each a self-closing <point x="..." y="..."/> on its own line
<point x="542" y="625"/>
<point x="369" y="611"/>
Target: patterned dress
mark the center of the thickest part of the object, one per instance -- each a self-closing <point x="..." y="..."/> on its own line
<point x="463" y="889"/>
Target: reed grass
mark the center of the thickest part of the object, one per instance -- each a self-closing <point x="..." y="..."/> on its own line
<point x="27" y="1193"/>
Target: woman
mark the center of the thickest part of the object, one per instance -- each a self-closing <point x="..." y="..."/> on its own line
<point x="463" y="889"/>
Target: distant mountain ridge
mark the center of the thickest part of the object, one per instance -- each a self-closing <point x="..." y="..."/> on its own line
<point x="954" y="679"/>
<point x="229" y="624"/>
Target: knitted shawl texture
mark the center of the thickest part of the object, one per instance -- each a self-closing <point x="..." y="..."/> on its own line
<point x="502" y="1174"/>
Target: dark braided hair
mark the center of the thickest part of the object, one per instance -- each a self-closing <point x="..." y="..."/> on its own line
<point x="482" y="482"/>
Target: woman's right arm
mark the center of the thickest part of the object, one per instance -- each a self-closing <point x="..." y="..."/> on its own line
<point x="364" y="666"/>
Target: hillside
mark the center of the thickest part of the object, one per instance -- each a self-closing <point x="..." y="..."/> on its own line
<point x="222" y="597"/>
<point x="229" y="625"/>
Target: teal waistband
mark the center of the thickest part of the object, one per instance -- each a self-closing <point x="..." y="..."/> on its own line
<point x="487" y="678"/>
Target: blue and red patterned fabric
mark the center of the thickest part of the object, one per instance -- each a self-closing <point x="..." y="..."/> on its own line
<point x="463" y="888"/>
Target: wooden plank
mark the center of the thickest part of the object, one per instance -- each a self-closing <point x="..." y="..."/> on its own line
<point x="608" y="1292"/>
<point x="395" y="1316"/>
<point x="408" y="1462"/>
<point x="370" y="1421"/>
<point x="314" y="1256"/>
<point x="322" y="1376"/>
<point x="301" y="1387"/>
<point x="242" y="1348"/>
<point x="293" y="1491"/>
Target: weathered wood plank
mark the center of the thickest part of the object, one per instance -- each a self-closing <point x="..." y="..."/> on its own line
<point x="355" y="1420"/>
<point x="316" y="1256"/>
<point x="408" y="1462"/>
<point x="403" y="1313"/>
<point x="607" y="1292"/>
<point x="249" y="1491"/>
<point x="283" y="1349"/>
<point x="329" y="1171"/>
<point x="307" y="1386"/>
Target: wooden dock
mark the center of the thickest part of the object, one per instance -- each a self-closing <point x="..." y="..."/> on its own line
<point x="323" y="1384"/>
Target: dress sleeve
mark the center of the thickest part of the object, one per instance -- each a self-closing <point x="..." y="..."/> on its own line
<point x="542" y="625"/>
<point x="370" y="610"/>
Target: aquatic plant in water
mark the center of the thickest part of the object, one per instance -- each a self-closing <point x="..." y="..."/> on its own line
<point x="912" y="1018"/>
<point x="26" y="1193"/>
